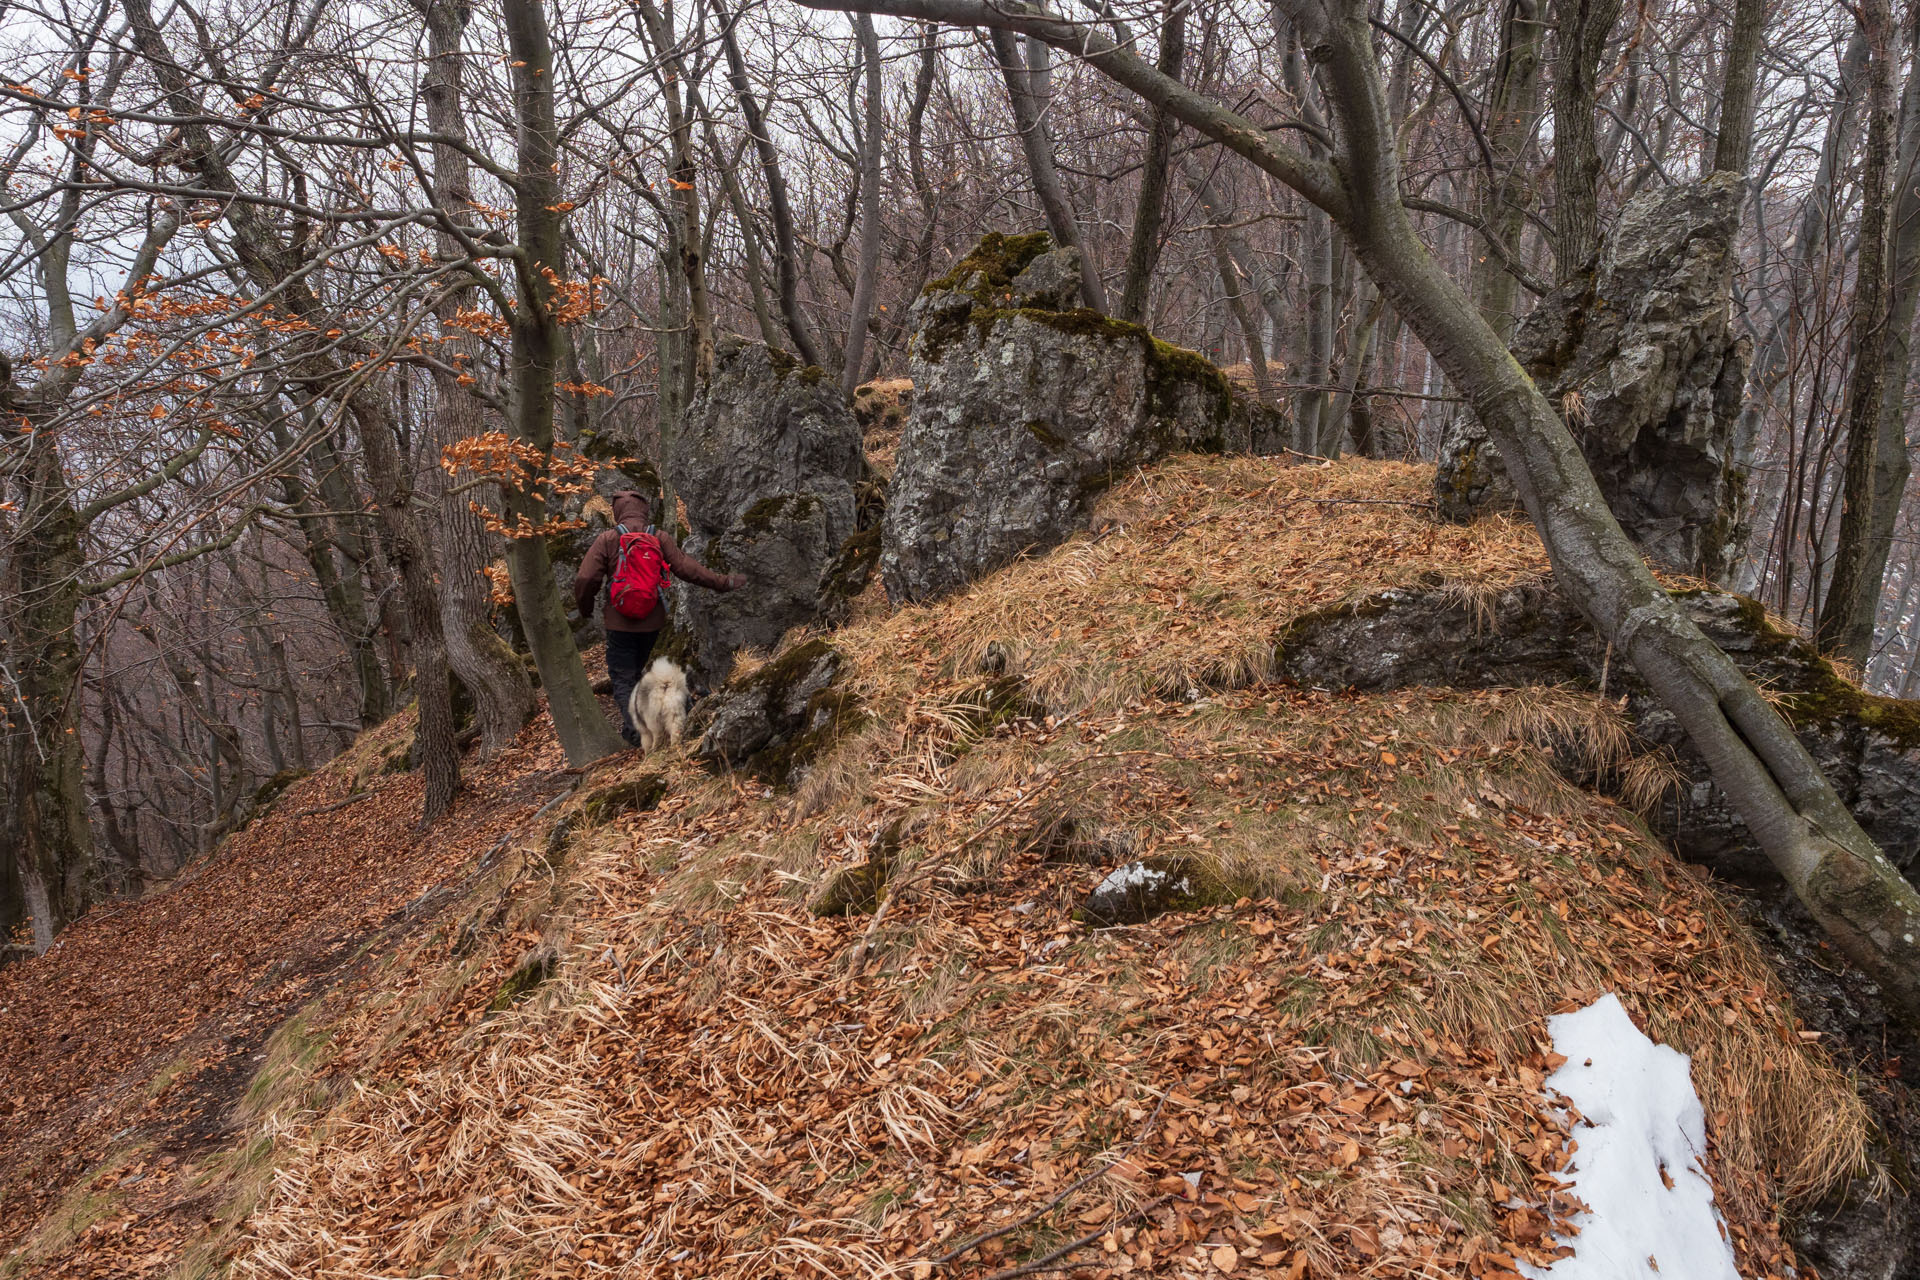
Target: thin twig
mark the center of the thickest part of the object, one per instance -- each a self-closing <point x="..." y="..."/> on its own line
<point x="1049" y="1206"/>
<point x="1046" y="1263"/>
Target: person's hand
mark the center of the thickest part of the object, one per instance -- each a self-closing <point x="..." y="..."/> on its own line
<point x="735" y="581"/>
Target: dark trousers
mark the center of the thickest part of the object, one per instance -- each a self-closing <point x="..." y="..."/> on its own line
<point x="627" y="654"/>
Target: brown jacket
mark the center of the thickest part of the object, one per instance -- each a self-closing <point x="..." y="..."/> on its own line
<point x="630" y="509"/>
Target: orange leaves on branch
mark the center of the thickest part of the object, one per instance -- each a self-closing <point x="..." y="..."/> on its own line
<point x="479" y="322"/>
<point x="531" y="478"/>
<point x="499" y="584"/>
<point x="572" y="300"/>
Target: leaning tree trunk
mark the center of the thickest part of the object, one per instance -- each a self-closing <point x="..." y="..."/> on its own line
<point x="786" y="255"/>
<point x="1769" y="777"/>
<point x="1028" y="88"/>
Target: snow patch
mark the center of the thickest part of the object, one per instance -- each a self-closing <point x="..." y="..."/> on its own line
<point x="1642" y="1121"/>
<point x="1137" y="875"/>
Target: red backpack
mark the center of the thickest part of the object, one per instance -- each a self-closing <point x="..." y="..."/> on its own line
<point x="639" y="575"/>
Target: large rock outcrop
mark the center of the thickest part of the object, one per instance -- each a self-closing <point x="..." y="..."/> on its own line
<point x="1639" y="354"/>
<point x="1025" y="410"/>
<point x="767" y="464"/>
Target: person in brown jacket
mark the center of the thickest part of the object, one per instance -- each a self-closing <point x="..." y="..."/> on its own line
<point x="629" y="640"/>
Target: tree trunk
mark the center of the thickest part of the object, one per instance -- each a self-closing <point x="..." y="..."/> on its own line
<point x="1236" y="290"/>
<point x="43" y="820"/>
<point x="1513" y="114"/>
<point x="785" y="253"/>
<point x="1772" y="360"/>
<point x="434" y="751"/>
<point x="1143" y="249"/>
<point x="1583" y="29"/>
<point x="1733" y="143"/>
<point x="1028" y="87"/>
<point x="340" y="592"/>
<point x="1852" y="601"/>
<point x="866" y="273"/>
<point x="494" y="677"/>
<point x="1768" y="776"/>
<point x="583" y="729"/>
<point x="1315" y="361"/>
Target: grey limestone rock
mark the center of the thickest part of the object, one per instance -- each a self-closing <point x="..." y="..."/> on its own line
<point x="767" y="464"/>
<point x="1639" y="355"/>
<point x="1024" y="412"/>
<point x="776" y="721"/>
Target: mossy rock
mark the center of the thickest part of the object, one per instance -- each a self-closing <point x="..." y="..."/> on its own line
<point x="848" y="574"/>
<point x="859" y="886"/>
<point x="629" y="795"/>
<point x="779" y="719"/>
<point x="785" y="365"/>
<point x="1139" y="891"/>
<point x="987" y="272"/>
<point x="854" y="889"/>
<point x="760" y="518"/>
<point x="539" y="964"/>
<point x="994" y="702"/>
<point x="1811" y="693"/>
<point x="831" y="714"/>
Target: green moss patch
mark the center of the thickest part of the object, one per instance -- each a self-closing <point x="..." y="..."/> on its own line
<point x="785" y="366"/>
<point x="987" y="271"/>
<point x="629" y="795"/>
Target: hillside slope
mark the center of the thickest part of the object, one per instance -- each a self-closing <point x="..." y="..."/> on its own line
<point x="701" y="1028"/>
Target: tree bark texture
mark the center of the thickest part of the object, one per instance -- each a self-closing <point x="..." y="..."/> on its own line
<point x="1847" y="612"/>
<point x="1583" y="28"/>
<point x="1506" y="190"/>
<point x="1143" y="247"/>
<point x="44" y="841"/>
<point x="1733" y="142"/>
<point x="584" y="731"/>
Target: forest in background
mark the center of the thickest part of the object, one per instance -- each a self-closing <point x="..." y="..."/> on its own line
<point x="290" y="286"/>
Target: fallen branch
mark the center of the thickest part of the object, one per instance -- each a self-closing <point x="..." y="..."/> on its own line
<point x="355" y="798"/>
<point x="1049" y="1206"/>
<point x="1072" y="1246"/>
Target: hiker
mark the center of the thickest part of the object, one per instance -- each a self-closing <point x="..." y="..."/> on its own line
<point x="633" y="560"/>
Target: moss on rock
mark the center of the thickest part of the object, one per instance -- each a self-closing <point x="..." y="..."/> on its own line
<point x="629" y="795"/>
<point x="785" y="365"/>
<point x="987" y="272"/>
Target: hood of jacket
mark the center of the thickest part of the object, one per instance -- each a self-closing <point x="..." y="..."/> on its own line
<point x="631" y="510"/>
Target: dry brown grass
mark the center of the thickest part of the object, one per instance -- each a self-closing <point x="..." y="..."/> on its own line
<point x="1225" y="552"/>
<point x="1401" y="883"/>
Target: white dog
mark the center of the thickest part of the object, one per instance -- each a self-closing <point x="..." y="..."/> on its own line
<point x="658" y="707"/>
